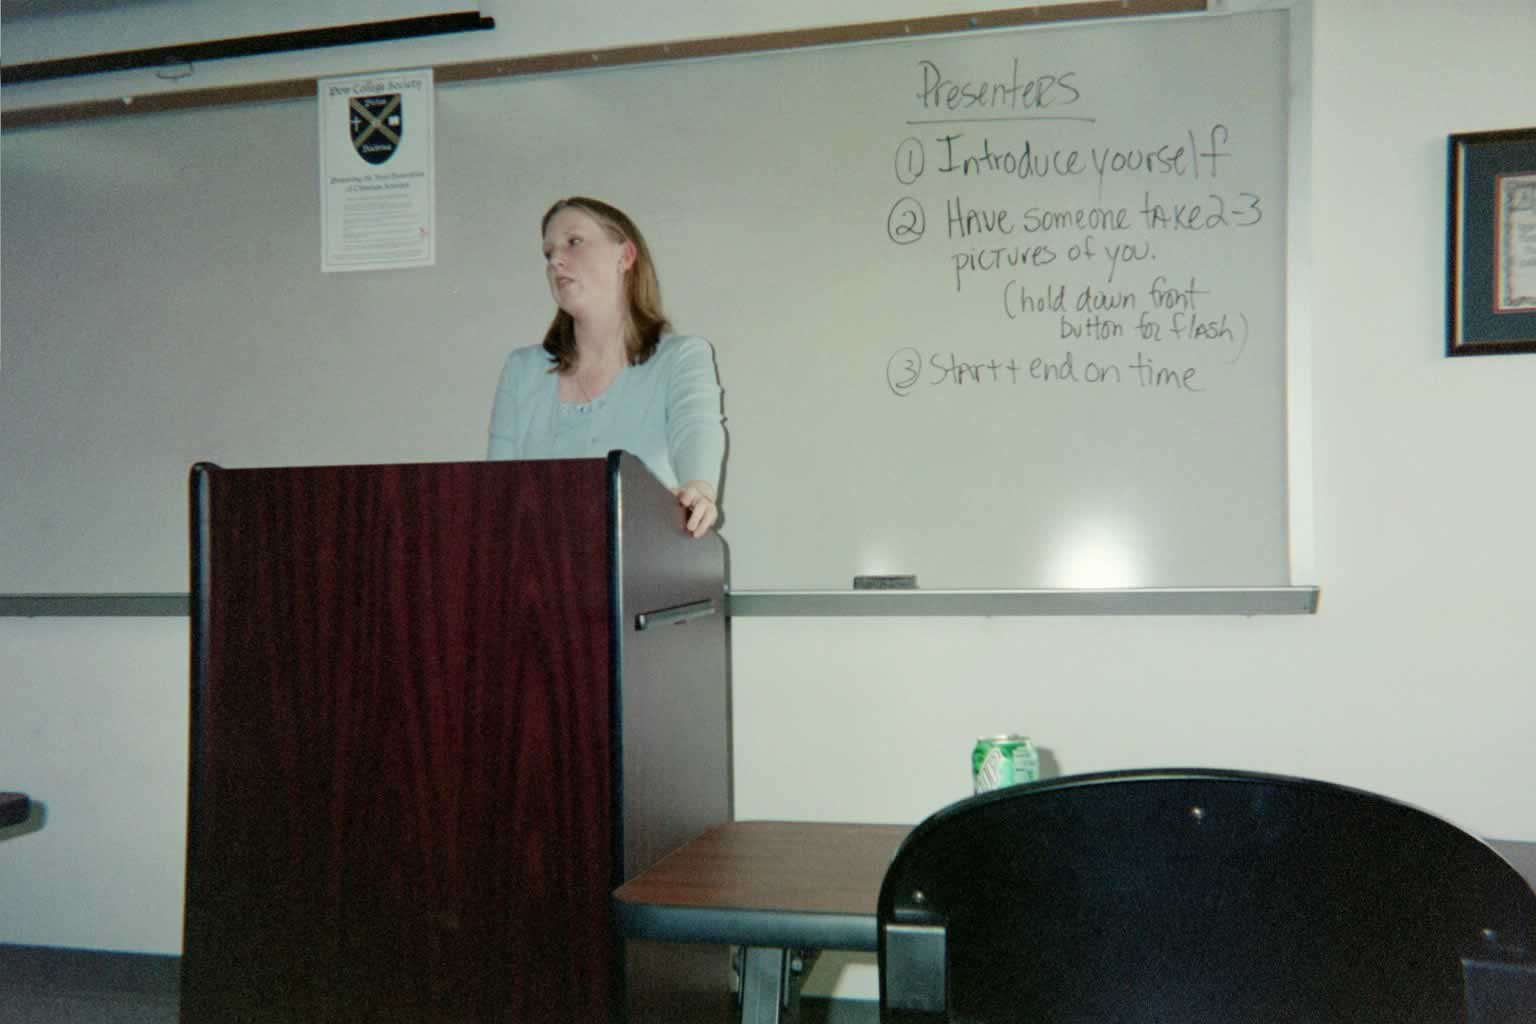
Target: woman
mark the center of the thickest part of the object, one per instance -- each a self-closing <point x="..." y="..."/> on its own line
<point x="609" y="374"/>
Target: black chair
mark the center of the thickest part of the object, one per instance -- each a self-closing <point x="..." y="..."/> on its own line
<point x="1200" y="897"/>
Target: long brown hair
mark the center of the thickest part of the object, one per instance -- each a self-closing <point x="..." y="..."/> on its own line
<point x="642" y="291"/>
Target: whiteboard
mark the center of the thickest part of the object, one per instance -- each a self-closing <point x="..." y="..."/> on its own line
<point x="1004" y="310"/>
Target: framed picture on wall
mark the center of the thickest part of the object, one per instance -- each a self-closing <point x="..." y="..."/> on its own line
<point x="1491" y="293"/>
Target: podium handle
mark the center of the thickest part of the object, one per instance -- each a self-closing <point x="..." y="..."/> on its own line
<point x="675" y="615"/>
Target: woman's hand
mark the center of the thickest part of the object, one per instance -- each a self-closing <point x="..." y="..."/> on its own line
<point x="698" y="501"/>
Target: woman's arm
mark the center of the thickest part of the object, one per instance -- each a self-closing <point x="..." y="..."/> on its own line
<point x="695" y="427"/>
<point x="696" y="432"/>
<point x="520" y="374"/>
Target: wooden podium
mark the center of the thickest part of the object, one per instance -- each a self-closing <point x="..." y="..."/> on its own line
<point x="439" y="712"/>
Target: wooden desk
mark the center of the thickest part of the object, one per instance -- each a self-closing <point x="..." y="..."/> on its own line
<point x="781" y="889"/>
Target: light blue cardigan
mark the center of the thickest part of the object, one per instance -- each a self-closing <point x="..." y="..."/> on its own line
<point x="665" y="411"/>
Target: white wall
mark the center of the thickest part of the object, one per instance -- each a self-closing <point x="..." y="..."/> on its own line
<point x="93" y="724"/>
<point x="1416" y="678"/>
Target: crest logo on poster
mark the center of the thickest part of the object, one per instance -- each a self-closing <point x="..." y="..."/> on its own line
<point x="376" y="125"/>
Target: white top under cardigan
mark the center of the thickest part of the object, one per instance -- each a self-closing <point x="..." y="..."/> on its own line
<point x="665" y="411"/>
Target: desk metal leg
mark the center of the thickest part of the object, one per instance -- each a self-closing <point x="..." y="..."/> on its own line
<point x="770" y="984"/>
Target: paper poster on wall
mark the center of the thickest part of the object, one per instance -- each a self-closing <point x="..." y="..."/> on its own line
<point x="377" y="193"/>
<point x="1515" y="253"/>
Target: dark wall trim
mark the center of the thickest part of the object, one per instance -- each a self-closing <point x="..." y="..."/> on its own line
<point x="619" y="56"/>
<point x="1279" y="600"/>
<point x="146" y="986"/>
<point x="32" y="606"/>
<point x="821" y="603"/>
<point x="246" y="46"/>
<point x="40" y="970"/>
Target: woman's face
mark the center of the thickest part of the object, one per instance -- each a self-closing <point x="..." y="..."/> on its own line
<point x="585" y="266"/>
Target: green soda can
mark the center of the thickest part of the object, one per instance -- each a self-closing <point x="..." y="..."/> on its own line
<point x="998" y="761"/>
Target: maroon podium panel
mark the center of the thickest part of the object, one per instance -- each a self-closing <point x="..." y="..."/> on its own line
<point x="405" y="797"/>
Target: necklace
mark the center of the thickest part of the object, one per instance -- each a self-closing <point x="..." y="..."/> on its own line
<point x="600" y="379"/>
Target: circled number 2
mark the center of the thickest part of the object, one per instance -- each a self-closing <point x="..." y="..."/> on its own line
<point x="906" y="222"/>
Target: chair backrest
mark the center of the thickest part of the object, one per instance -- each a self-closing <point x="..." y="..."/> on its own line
<point x="1196" y="897"/>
